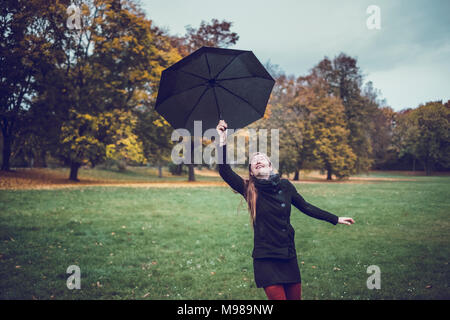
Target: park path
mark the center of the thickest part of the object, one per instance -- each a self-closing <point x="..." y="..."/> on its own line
<point x="25" y="179"/>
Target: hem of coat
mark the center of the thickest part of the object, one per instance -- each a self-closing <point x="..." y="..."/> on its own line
<point x="273" y="256"/>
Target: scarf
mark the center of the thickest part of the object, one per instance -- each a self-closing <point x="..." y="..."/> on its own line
<point x="273" y="182"/>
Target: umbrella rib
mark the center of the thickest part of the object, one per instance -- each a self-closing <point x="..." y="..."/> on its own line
<point x="207" y="63"/>
<point x="234" y="94"/>
<point x="218" y="73"/>
<point x="179" y="92"/>
<point x="246" y="77"/>
<point x="219" y="113"/>
<point x="195" y="105"/>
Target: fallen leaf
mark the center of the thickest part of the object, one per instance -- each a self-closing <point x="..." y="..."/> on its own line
<point x="146" y="295"/>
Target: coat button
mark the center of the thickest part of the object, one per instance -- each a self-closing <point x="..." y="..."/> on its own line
<point x="283" y="205"/>
<point x="279" y="192"/>
<point x="284" y="230"/>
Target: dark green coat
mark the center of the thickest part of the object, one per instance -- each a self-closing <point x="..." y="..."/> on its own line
<point x="273" y="233"/>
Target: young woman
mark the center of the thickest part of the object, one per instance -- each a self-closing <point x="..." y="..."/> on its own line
<point x="269" y="200"/>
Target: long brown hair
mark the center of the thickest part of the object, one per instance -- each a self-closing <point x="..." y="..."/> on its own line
<point x="251" y="194"/>
<point x="250" y="191"/>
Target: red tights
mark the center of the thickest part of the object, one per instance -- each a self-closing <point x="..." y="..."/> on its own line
<point x="287" y="291"/>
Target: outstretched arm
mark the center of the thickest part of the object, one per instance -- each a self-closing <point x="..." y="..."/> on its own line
<point x="299" y="202"/>
<point x="225" y="171"/>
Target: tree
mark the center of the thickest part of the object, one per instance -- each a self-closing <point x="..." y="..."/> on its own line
<point x="292" y="118"/>
<point x="330" y="146"/>
<point x="313" y="126"/>
<point x="345" y="81"/>
<point x="382" y="144"/>
<point x="213" y="34"/>
<point x="107" y="68"/>
<point x="152" y="129"/>
<point x="424" y="133"/>
<point x="155" y="133"/>
<point x="24" y="50"/>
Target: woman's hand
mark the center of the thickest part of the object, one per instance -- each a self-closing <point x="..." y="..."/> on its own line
<point x="345" y="220"/>
<point x="222" y="131"/>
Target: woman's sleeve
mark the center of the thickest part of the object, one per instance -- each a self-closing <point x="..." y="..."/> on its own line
<point x="307" y="208"/>
<point x="227" y="174"/>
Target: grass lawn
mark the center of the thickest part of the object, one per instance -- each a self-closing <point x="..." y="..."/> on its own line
<point x="195" y="243"/>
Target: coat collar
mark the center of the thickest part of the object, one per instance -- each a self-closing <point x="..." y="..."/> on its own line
<point x="272" y="183"/>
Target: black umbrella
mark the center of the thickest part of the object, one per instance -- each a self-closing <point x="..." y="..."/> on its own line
<point x="213" y="84"/>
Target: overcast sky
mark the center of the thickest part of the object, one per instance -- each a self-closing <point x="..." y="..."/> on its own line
<point x="408" y="58"/>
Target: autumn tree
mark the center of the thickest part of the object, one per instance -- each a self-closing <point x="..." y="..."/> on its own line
<point x="330" y="145"/>
<point x="155" y="133"/>
<point x="345" y="81"/>
<point x="107" y="65"/>
<point x="210" y="34"/>
<point x="152" y="129"/>
<point x="313" y="126"/>
<point x="285" y="113"/>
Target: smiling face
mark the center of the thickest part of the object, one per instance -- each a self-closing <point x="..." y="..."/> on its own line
<point x="260" y="165"/>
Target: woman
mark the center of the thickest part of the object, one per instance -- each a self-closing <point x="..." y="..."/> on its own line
<point x="269" y="200"/>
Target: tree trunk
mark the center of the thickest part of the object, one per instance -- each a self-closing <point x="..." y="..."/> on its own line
<point x="40" y="160"/>
<point x="428" y="167"/>
<point x="6" y="150"/>
<point x="191" y="172"/>
<point x="74" y="166"/>
<point x="122" y="165"/>
<point x="159" y="170"/>
<point x="329" y="175"/>
<point x="296" y="175"/>
<point x="191" y="165"/>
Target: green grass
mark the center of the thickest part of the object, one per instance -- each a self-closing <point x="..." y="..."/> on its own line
<point x="195" y="243"/>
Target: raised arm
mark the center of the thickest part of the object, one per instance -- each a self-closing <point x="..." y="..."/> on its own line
<point x="309" y="209"/>
<point x="225" y="171"/>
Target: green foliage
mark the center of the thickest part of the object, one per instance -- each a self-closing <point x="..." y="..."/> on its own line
<point x="425" y="133"/>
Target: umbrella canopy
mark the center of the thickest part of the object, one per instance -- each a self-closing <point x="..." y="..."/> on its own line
<point x="214" y="84"/>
